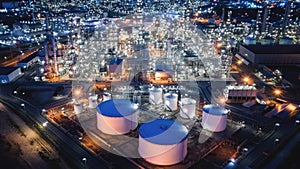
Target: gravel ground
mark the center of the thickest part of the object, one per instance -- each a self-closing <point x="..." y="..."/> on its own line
<point x="21" y="147"/>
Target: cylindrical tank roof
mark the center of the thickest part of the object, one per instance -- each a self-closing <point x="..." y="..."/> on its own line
<point x="171" y="96"/>
<point x="116" y="108"/>
<point x="215" y="109"/>
<point x="155" y="89"/>
<point x="163" y="132"/>
<point x="188" y="101"/>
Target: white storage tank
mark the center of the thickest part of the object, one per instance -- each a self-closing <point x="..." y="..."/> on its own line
<point x="116" y="116"/>
<point x="78" y="108"/>
<point x="170" y="100"/>
<point x="93" y="101"/>
<point x="155" y="96"/>
<point x="163" y="142"/>
<point x="188" y="108"/>
<point x="214" y="118"/>
<point x="106" y="96"/>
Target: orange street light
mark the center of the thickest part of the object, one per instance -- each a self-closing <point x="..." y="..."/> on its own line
<point x="239" y="62"/>
<point x="77" y="92"/>
<point x="219" y="45"/>
<point x="277" y="92"/>
<point x="246" y="79"/>
<point x="222" y="101"/>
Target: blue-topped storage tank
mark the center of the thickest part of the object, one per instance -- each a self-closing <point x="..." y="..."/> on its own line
<point x="117" y="116"/>
<point x="163" y="141"/>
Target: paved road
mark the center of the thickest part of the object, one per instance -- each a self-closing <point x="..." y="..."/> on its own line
<point x="204" y="90"/>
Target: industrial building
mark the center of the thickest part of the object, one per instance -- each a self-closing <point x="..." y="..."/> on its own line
<point x="27" y="62"/>
<point x="9" y="4"/>
<point x="116" y="66"/>
<point x="162" y="75"/>
<point x="240" y="94"/>
<point x="282" y="110"/>
<point x="269" y="54"/>
<point x="8" y="74"/>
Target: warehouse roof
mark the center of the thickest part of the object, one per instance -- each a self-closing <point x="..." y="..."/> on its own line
<point x="29" y="58"/>
<point x="7" y="70"/>
<point x="274" y="49"/>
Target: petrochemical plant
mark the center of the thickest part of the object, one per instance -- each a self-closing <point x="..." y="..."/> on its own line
<point x="154" y="83"/>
